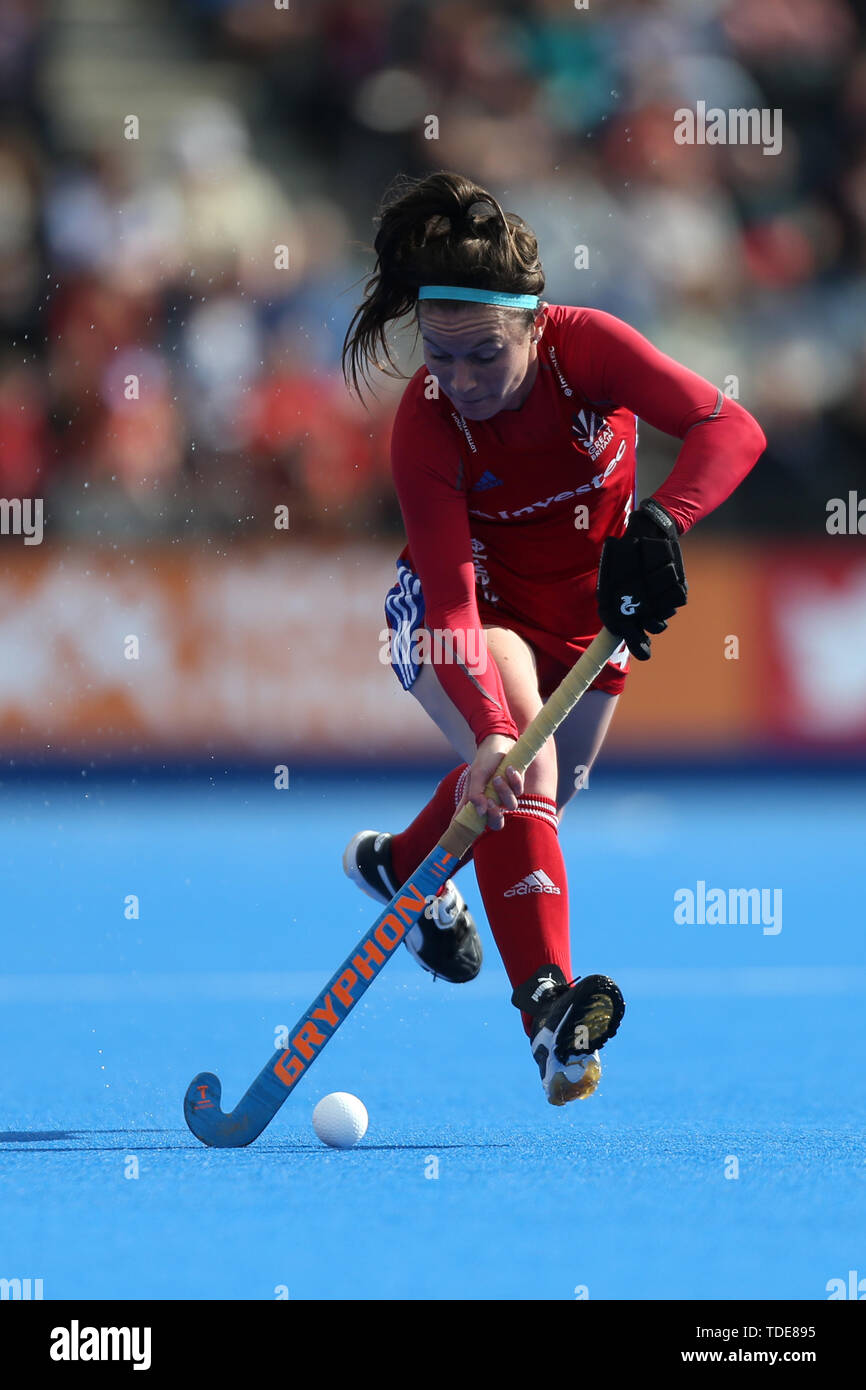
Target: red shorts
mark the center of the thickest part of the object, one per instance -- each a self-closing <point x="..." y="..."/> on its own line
<point x="554" y="655"/>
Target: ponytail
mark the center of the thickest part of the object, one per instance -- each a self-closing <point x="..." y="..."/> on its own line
<point x="440" y="230"/>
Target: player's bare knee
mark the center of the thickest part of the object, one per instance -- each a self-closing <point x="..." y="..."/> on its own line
<point x="541" y="776"/>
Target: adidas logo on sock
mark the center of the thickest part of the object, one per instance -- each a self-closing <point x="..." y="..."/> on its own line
<point x="536" y="882"/>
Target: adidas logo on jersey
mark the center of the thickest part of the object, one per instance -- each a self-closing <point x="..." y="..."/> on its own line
<point x="536" y="882"/>
<point x="487" y="480"/>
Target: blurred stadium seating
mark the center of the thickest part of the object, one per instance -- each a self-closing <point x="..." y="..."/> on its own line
<point x="259" y="127"/>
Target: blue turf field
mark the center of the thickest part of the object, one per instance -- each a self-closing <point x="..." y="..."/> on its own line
<point x="735" y="1042"/>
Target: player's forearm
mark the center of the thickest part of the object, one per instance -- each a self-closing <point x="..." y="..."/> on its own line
<point x="718" y="452"/>
<point x="440" y="545"/>
<point x="467" y="672"/>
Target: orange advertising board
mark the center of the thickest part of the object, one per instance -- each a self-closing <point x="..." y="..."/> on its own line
<point x="277" y="652"/>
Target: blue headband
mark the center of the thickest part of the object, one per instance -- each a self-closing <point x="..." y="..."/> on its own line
<point x="501" y="300"/>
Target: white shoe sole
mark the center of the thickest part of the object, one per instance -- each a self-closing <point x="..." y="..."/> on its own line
<point x="351" y="870"/>
<point x="561" y="1088"/>
<point x="575" y="1081"/>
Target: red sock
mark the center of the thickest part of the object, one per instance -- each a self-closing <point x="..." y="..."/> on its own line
<point x="521" y="875"/>
<point x="413" y="845"/>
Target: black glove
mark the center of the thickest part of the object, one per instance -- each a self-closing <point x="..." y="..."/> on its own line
<point x="641" y="582"/>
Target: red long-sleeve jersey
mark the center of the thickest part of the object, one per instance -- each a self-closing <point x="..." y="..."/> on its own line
<point x="505" y="518"/>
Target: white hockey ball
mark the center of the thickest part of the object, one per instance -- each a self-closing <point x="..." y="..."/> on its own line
<point x="340" y="1120"/>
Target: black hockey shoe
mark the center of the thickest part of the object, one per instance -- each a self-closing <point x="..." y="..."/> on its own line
<point x="445" y="939"/>
<point x="570" y="1023"/>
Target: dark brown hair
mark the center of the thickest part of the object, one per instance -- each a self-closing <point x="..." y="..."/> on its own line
<point x="440" y="230"/>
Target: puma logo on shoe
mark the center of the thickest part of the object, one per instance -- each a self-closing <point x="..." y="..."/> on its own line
<point x="545" y="983"/>
<point x="536" y="882"/>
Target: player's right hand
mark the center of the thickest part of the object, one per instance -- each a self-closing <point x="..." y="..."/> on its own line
<point x="490" y="753"/>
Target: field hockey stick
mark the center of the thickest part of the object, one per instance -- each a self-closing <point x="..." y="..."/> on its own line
<point x="320" y="1021"/>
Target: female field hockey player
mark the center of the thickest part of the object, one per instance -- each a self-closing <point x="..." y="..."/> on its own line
<point x="513" y="457"/>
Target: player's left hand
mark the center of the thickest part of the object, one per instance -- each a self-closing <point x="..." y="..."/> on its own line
<point x="641" y="581"/>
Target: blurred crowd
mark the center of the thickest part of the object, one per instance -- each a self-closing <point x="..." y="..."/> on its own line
<point x="166" y="371"/>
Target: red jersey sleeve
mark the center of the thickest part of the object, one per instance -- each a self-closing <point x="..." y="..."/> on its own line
<point x="428" y="476"/>
<point x="614" y="364"/>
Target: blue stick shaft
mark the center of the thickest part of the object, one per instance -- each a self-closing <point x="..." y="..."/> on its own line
<point x="318" y="1023"/>
<point x="317" y="1026"/>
